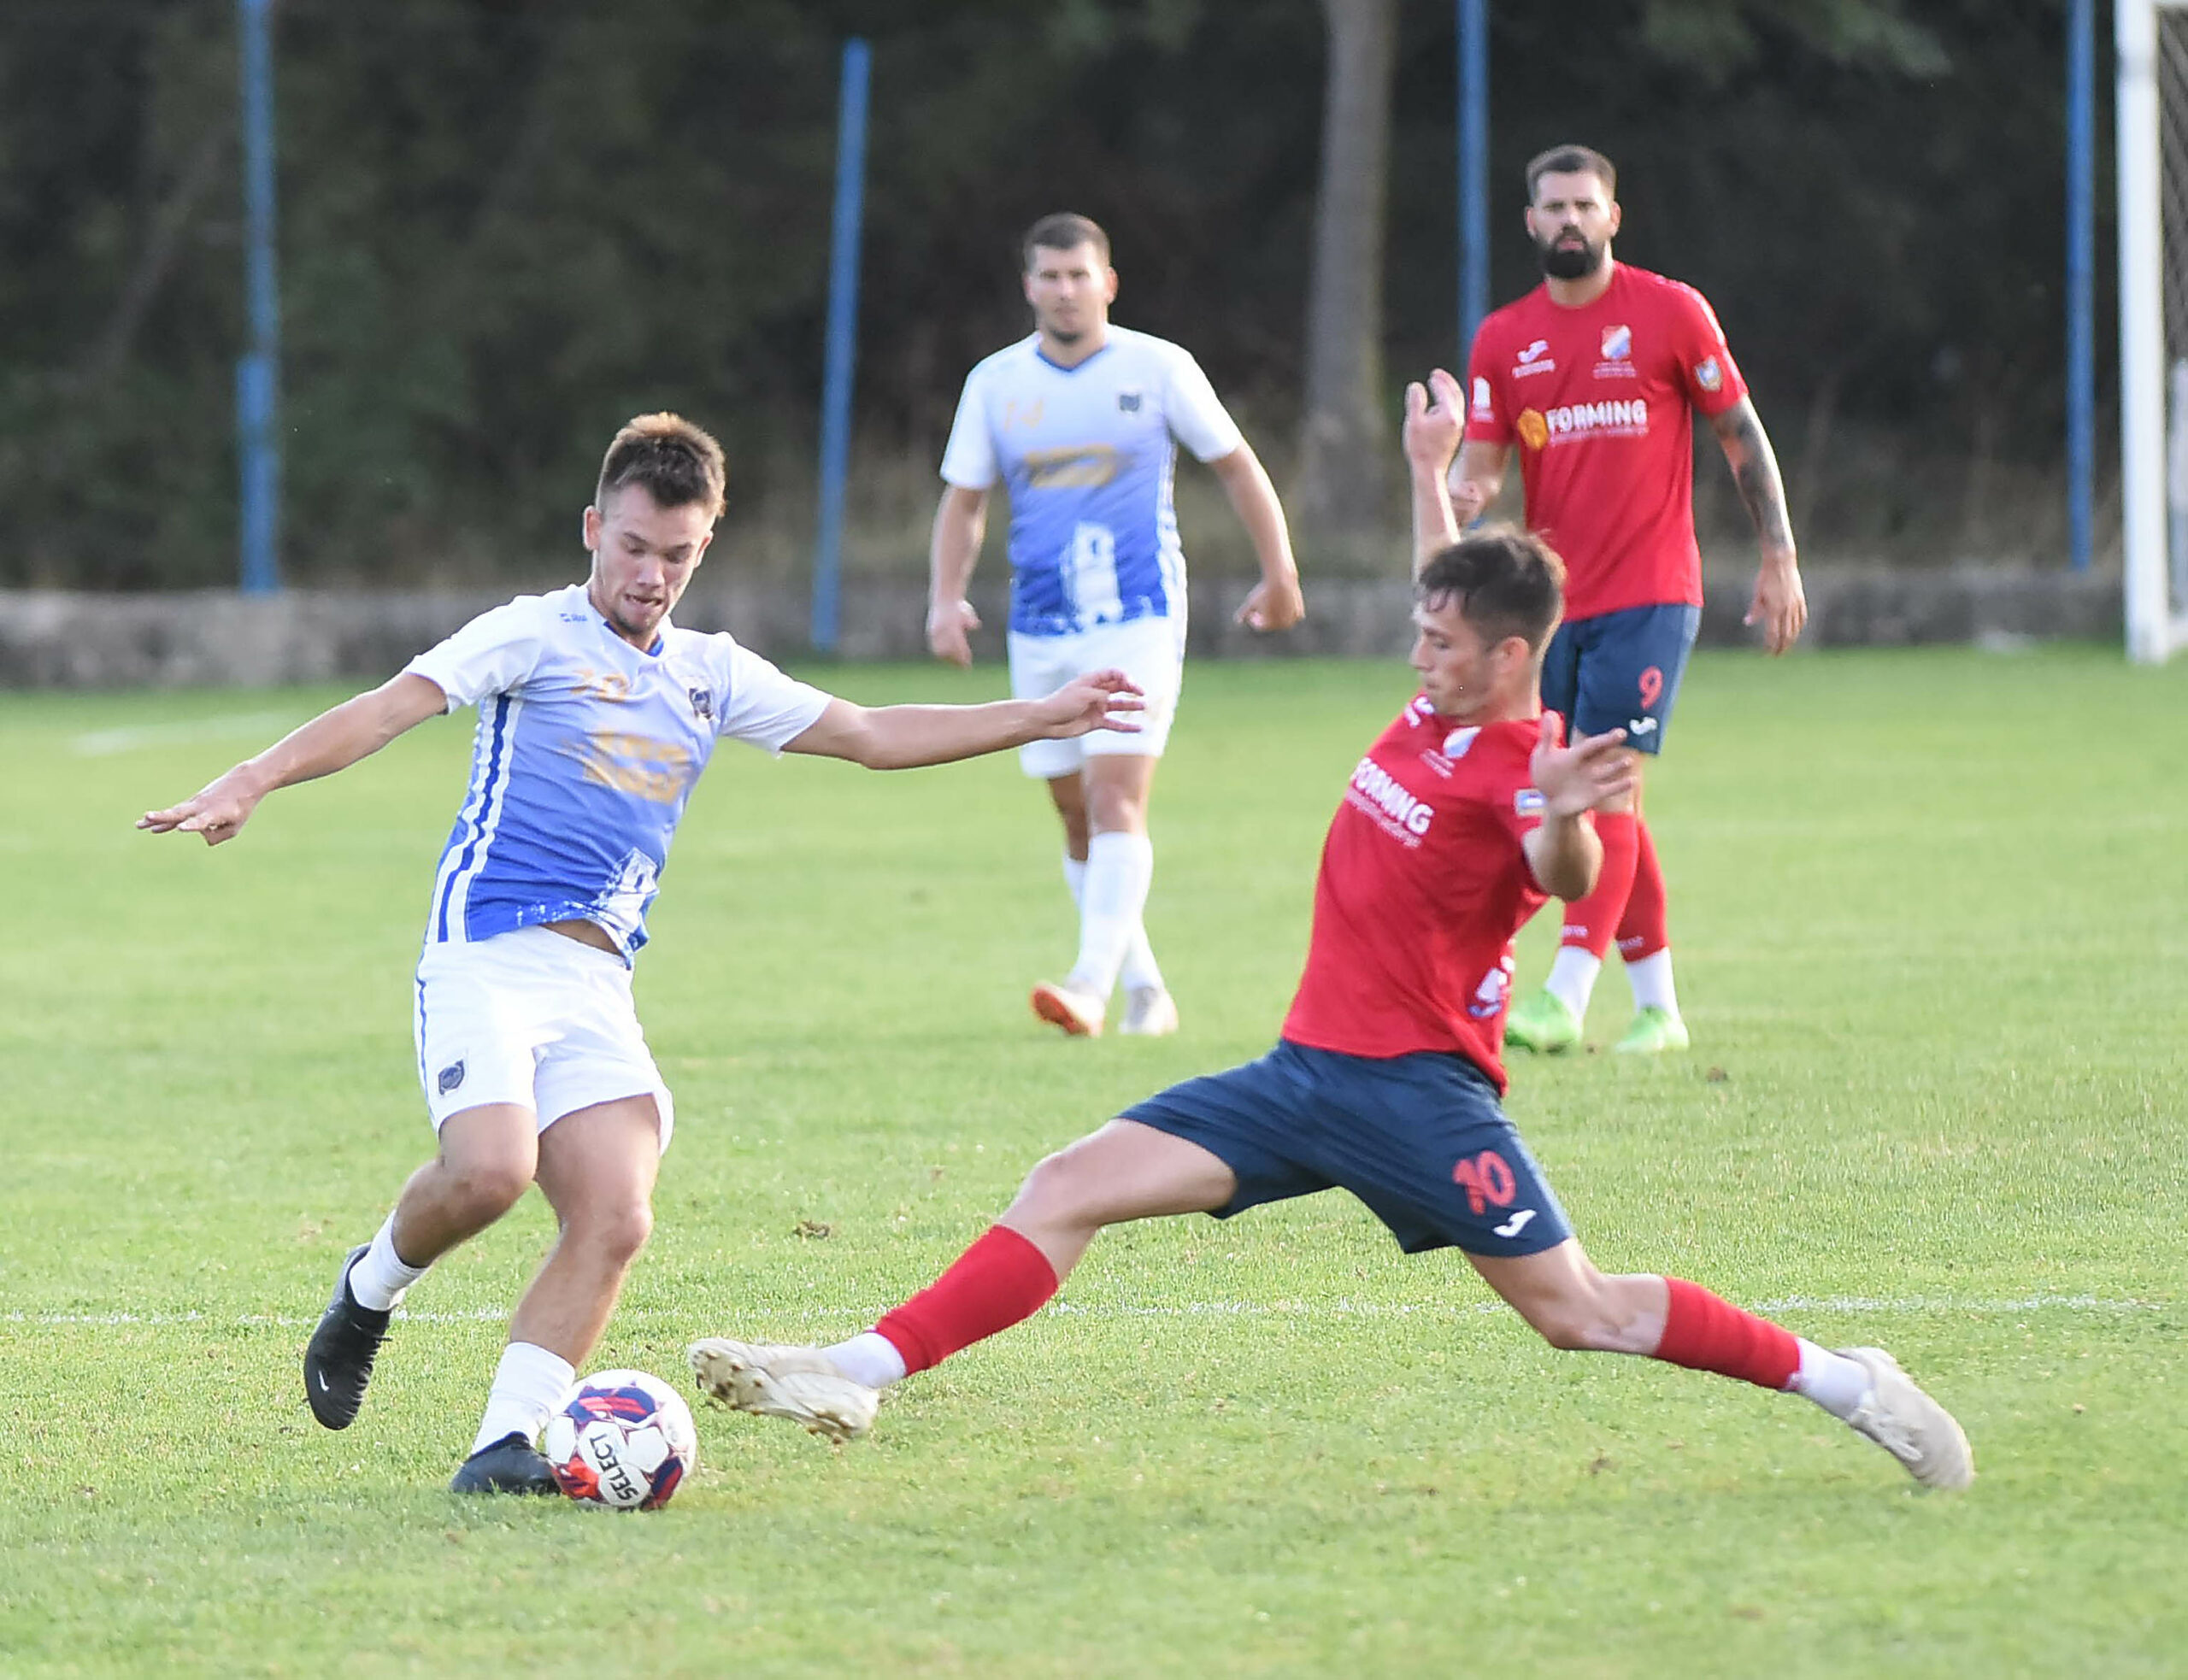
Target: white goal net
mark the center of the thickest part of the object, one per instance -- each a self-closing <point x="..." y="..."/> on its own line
<point x="2152" y="38"/>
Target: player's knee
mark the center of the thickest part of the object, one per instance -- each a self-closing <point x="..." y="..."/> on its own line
<point x="1057" y="1191"/>
<point x="618" y="1231"/>
<point x="486" y="1188"/>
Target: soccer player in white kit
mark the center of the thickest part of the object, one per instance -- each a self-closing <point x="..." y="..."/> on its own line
<point x="1080" y="420"/>
<point x="597" y="715"/>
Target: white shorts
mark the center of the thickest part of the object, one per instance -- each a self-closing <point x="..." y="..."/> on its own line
<point x="534" y="1019"/>
<point x="1151" y="651"/>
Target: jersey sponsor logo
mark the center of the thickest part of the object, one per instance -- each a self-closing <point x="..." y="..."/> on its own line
<point x="1127" y="402"/>
<point x="1460" y="742"/>
<point x="1382" y="797"/>
<point x="1534" y="352"/>
<point x="1709" y="374"/>
<point x="1515" y="1224"/>
<point x="1636" y="727"/>
<point x="639" y="765"/>
<point x="1484" y="400"/>
<point x="1535" y="359"/>
<point x="611" y="686"/>
<point x="1573" y="422"/>
<point x="1082" y="466"/>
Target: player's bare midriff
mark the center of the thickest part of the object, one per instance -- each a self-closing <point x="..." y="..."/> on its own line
<point x="585" y="933"/>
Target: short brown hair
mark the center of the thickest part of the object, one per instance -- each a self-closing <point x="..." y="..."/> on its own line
<point x="1571" y="160"/>
<point x="677" y="462"/>
<point x="1063" y="232"/>
<point x="1506" y="581"/>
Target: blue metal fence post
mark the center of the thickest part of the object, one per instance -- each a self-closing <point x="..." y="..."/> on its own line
<point x="843" y="345"/>
<point x="2081" y="251"/>
<point x="1473" y="21"/>
<point x="258" y="432"/>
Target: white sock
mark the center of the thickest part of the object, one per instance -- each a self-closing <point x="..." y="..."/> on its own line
<point x="529" y="1383"/>
<point x="870" y="1358"/>
<point x="1140" y="969"/>
<point x="1832" y="1381"/>
<point x="380" y="1275"/>
<point x="1118" y="868"/>
<point x="1650" y="977"/>
<point x="1572" y="977"/>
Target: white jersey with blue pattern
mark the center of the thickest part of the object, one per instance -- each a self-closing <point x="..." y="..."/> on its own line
<point x="1087" y="453"/>
<point x="586" y="752"/>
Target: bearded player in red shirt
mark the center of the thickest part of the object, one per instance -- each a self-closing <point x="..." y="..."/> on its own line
<point x="1466" y="812"/>
<point x="1595" y="377"/>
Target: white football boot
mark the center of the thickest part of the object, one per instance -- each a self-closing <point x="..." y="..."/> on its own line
<point x="773" y="1381"/>
<point x="1908" y="1425"/>
<point x="1150" y="1013"/>
<point x="1077" y="1012"/>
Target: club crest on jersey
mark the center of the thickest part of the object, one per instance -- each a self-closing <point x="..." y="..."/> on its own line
<point x="1709" y="374"/>
<point x="703" y="704"/>
<point x="451" y="1078"/>
<point x="1128" y="401"/>
<point x="1529" y="803"/>
<point x="1618" y="343"/>
<point x="1488" y="996"/>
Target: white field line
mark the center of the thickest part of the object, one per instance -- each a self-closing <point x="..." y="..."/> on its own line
<point x="106" y="742"/>
<point x="1885" y="1305"/>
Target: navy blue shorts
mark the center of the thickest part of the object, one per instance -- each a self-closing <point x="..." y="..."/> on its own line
<point x="1620" y="670"/>
<point x="1419" y="1138"/>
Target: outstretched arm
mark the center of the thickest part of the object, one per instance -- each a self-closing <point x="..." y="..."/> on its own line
<point x="1596" y="771"/>
<point x="903" y="737"/>
<point x="1275" y="602"/>
<point x="1435" y="422"/>
<point x="961" y="521"/>
<point x="332" y="740"/>
<point x="1779" y="606"/>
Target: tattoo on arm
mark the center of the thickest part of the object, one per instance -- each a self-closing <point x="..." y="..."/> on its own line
<point x="1755" y="470"/>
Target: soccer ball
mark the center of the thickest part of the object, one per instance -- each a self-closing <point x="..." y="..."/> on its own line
<point x="623" y="1440"/>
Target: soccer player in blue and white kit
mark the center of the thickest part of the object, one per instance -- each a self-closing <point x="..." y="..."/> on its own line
<point x="596" y="716"/>
<point x="1080" y="420"/>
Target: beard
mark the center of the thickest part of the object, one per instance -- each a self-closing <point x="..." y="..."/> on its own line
<point x="1569" y="262"/>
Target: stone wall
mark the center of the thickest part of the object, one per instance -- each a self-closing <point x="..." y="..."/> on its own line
<point x="50" y="639"/>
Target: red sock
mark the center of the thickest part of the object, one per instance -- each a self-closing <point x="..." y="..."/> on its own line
<point x="1589" y="921"/>
<point x="1643" y="930"/>
<point x="1706" y="1332"/>
<point x="1000" y="1281"/>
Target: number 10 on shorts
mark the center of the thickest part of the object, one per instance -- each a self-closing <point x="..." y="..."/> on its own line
<point x="1487" y="1180"/>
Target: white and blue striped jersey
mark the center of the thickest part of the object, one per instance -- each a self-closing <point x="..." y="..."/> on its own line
<point x="586" y="752"/>
<point x="1086" y="454"/>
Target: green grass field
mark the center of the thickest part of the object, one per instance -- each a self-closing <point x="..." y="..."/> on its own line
<point x="1931" y="916"/>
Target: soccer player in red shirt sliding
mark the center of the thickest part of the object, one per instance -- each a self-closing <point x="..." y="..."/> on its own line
<point x="1594" y="376"/>
<point x="1464" y="814"/>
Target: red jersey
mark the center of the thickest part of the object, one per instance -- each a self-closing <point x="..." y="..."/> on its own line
<point x="1423" y="885"/>
<point x="1600" y="401"/>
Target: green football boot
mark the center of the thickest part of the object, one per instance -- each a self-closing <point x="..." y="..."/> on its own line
<point x="1652" y="1032"/>
<point x="1543" y="1023"/>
